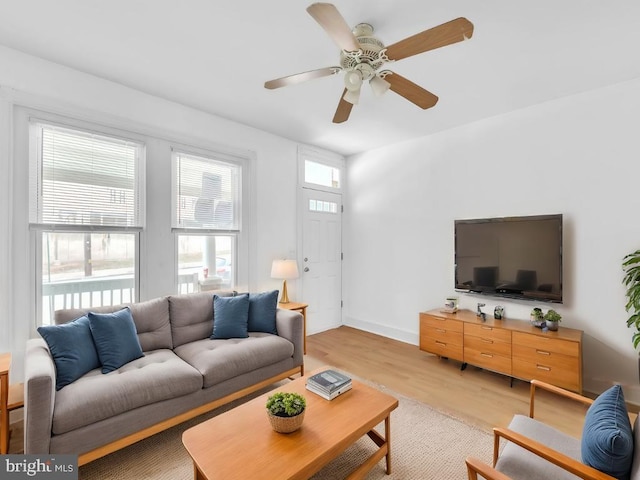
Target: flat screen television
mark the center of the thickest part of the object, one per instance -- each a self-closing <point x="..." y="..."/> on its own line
<point x="516" y="257"/>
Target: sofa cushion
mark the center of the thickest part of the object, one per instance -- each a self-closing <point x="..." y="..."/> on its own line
<point x="192" y="316"/>
<point x="230" y="317"/>
<point x="262" y="312"/>
<point x="220" y="360"/>
<point x="115" y="337"/>
<point x="516" y="462"/>
<point x="158" y="376"/>
<point x="151" y="318"/>
<point x="72" y="348"/>
<point x="607" y="439"/>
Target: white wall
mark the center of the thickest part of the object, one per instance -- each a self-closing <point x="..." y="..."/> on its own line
<point x="577" y="156"/>
<point x="26" y="80"/>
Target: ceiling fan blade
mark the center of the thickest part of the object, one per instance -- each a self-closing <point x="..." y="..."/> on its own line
<point x="436" y="37"/>
<point x="329" y="18"/>
<point x="344" y="109"/>
<point x="409" y="90"/>
<point x="301" y="77"/>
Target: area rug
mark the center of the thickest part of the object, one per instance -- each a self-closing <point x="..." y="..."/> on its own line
<point x="425" y="444"/>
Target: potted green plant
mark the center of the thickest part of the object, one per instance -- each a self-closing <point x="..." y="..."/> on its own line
<point x="286" y="411"/>
<point x="537" y="317"/>
<point x="631" y="280"/>
<point x="551" y="319"/>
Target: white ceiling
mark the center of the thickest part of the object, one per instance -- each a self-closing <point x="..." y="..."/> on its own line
<point x="215" y="56"/>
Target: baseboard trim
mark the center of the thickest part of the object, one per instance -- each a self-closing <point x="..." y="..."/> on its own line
<point x="383" y="330"/>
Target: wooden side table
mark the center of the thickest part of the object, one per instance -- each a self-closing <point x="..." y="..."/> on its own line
<point x="11" y="397"/>
<point x="5" y="366"/>
<point x="302" y="308"/>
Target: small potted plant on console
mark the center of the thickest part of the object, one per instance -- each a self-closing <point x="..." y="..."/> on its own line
<point x="552" y="318"/>
<point x="537" y="317"/>
<point x="286" y="411"/>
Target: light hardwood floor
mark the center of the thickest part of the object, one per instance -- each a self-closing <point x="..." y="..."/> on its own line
<point x="476" y="396"/>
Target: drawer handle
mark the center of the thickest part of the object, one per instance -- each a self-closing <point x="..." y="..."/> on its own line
<point x="439" y="330"/>
<point x="542" y="352"/>
<point x="542" y="367"/>
<point x="488" y="355"/>
<point x="486" y="328"/>
<point x="441" y="344"/>
<point x="486" y="340"/>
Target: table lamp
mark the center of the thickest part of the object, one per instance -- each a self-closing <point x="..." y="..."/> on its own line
<point x="284" y="270"/>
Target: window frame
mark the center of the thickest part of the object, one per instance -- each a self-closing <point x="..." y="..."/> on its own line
<point x="241" y="248"/>
<point x="36" y="230"/>
<point x="322" y="157"/>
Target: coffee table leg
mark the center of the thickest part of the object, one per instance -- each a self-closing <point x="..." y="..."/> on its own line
<point x="387" y="434"/>
<point x="197" y="475"/>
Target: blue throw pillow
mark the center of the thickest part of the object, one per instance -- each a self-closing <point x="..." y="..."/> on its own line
<point x="72" y="348"/>
<point x="262" y="312"/>
<point x="115" y="337"/>
<point x="230" y="317"/>
<point x="607" y="437"/>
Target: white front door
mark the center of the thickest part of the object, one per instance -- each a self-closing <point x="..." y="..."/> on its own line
<point x="321" y="259"/>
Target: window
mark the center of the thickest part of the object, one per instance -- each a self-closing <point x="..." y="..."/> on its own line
<point x="320" y="169"/>
<point x="322" y="206"/>
<point x="198" y="270"/>
<point x="86" y="207"/>
<point x="207" y="219"/>
<point x="321" y="174"/>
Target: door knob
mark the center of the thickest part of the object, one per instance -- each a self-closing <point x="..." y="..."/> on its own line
<point x="306" y="269"/>
<point x="306" y="259"/>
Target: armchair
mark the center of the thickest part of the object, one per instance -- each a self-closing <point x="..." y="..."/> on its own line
<point x="535" y="451"/>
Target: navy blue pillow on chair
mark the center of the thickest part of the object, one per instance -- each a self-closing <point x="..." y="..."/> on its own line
<point x="72" y="348"/>
<point x="262" y="312"/>
<point x="115" y="337"/>
<point x="607" y="437"/>
<point x="230" y="317"/>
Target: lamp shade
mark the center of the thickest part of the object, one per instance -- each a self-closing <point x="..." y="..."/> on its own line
<point x="284" y="269"/>
<point x="379" y="85"/>
<point x="352" y="96"/>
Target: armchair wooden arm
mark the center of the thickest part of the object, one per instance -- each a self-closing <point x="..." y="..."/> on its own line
<point x="558" y="391"/>
<point x="475" y="467"/>
<point x="563" y="461"/>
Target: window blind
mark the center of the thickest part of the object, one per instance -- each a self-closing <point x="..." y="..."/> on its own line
<point x="84" y="179"/>
<point x="207" y="193"/>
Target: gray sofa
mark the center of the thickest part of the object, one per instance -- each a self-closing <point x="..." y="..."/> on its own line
<point x="182" y="374"/>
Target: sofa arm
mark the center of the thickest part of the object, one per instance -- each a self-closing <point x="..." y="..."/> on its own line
<point x="290" y="325"/>
<point x="39" y="396"/>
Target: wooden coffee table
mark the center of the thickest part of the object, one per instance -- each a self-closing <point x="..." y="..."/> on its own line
<point x="241" y="444"/>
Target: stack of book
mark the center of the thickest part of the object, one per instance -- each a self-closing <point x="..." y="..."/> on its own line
<point x="329" y="384"/>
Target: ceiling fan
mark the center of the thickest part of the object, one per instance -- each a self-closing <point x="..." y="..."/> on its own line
<point x="363" y="55"/>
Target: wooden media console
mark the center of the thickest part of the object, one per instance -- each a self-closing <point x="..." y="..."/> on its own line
<point x="511" y="347"/>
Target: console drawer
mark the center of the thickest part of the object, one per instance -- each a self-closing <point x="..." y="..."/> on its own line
<point x="486" y="331"/>
<point x="441" y="323"/>
<point x="442" y="347"/>
<point x="488" y="360"/>
<point x="487" y="345"/>
<point x="547" y="344"/>
<point x="563" y="372"/>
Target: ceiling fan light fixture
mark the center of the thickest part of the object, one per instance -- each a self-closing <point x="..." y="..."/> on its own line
<point x="352" y="96"/>
<point x="353" y="80"/>
<point x="379" y="85"/>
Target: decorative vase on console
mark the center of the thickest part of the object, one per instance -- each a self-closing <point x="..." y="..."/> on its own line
<point x="537" y="317"/>
<point x="552" y="319"/>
